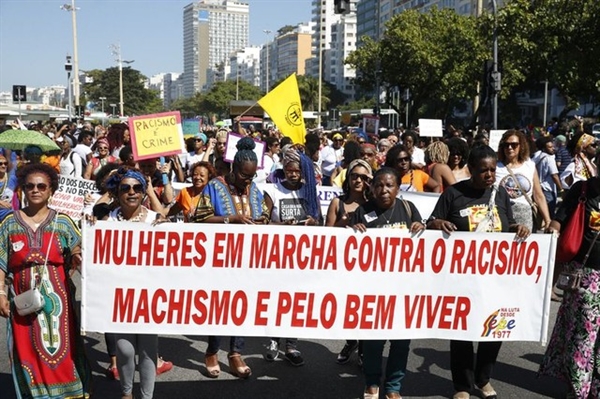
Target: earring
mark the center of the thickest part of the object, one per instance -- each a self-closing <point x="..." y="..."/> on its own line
<point x="49" y="200"/>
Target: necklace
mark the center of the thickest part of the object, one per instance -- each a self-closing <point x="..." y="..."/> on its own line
<point x="388" y="217"/>
<point x="138" y="218"/>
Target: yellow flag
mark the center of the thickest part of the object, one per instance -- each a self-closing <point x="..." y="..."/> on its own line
<point x="284" y="107"/>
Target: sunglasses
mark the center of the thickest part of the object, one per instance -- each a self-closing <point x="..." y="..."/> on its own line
<point x="403" y="159"/>
<point x="197" y="140"/>
<point x="370" y="154"/>
<point x="3" y="163"/>
<point x="102" y="148"/>
<point x="137" y="188"/>
<point x="356" y="176"/>
<point x="594" y="145"/>
<point x="512" y="145"/>
<point x="41" y="187"/>
<point x="339" y="140"/>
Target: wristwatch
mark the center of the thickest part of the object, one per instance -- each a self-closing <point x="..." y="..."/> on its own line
<point x="226" y="220"/>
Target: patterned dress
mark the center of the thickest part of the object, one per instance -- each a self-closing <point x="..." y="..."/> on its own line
<point x="45" y="347"/>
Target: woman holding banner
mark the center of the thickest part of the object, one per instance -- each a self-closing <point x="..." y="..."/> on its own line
<point x="477" y="205"/>
<point x="233" y="198"/>
<point x="128" y="186"/>
<point x="188" y="199"/>
<point x="38" y="248"/>
<point x="384" y="210"/>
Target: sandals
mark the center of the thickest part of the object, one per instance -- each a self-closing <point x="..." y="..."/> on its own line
<point x="237" y="366"/>
<point x="487" y="392"/>
<point x="371" y="393"/>
<point x="213" y="370"/>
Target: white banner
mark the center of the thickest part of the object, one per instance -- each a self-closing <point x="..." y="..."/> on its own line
<point x="69" y="198"/>
<point x="315" y="282"/>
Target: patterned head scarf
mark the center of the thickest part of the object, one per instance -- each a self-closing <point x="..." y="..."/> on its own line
<point x="363" y="163"/>
<point x="584" y="141"/>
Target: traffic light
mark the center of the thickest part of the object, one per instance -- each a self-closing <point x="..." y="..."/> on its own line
<point x="342" y="6"/>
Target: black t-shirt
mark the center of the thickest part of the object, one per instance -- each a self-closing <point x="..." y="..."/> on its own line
<point x="396" y="217"/>
<point x="592" y="219"/>
<point x="466" y="206"/>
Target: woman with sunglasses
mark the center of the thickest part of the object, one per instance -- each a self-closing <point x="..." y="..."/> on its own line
<point x="38" y="249"/>
<point x="457" y="158"/>
<point x="583" y="148"/>
<point x="128" y="186"/>
<point x="98" y="161"/>
<point x="385" y="211"/>
<point x="232" y="198"/>
<point x="340" y="212"/>
<point x="517" y="173"/>
<point x="398" y="158"/>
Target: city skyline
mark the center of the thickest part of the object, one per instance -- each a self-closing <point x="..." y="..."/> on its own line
<point x="149" y="32"/>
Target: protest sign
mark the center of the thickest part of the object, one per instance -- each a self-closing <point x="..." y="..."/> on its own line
<point x="318" y="282"/>
<point x="156" y="135"/>
<point x="231" y="149"/>
<point x="431" y="128"/>
<point x="69" y="198"/>
<point x="495" y="136"/>
<point x="190" y="127"/>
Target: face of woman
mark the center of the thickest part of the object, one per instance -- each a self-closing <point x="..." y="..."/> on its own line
<point x="37" y="189"/>
<point x="511" y="147"/>
<point x="409" y="142"/>
<point x="3" y="165"/>
<point x="131" y="193"/>
<point x="359" y="179"/>
<point x="368" y="154"/>
<point x="403" y="162"/>
<point x="102" y="151"/>
<point x="590" y="150"/>
<point x="126" y="136"/>
<point x="385" y="189"/>
<point x="484" y="173"/>
<point x="244" y="174"/>
<point x="292" y="172"/>
<point x="454" y="159"/>
<point x="200" y="177"/>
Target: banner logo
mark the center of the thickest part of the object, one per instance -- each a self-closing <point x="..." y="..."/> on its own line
<point x="500" y="323"/>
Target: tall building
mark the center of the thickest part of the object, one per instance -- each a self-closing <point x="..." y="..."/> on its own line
<point x="244" y="64"/>
<point x="212" y="30"/>
<point x="163" y="83"/>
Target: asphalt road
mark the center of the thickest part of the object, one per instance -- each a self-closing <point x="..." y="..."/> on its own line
<point x="321" y="377"/>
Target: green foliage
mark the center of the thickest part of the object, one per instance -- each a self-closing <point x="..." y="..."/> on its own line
<point x="222" y="93"/>
<point x="136" y="98"/>
<point x="358" y="104"/>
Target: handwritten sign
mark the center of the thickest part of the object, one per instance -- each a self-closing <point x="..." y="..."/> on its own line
<point x="231" y="149"/>
<point x="69" y="198"/>
<point x="430" y="128"/>
<point x="156" y="135"/>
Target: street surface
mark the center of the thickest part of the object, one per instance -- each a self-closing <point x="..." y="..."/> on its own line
<point x="428" y="374"/>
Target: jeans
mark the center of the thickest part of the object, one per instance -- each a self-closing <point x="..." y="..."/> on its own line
<point x="395" y="369"/>
<point x="236" y="344"/>
<point x="468" y="371"/>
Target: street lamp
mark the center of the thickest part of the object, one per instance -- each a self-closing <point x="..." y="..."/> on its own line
<point x="319" y="104"/>
<point x="113" y="108"/>
<point x="496" y="78"/>
<point x="73" y="10"/>
<point x="268" y="32"/>
<point x="69" y="68"/>
<point x="116" y="51"/>
<point x="102" y="99"/>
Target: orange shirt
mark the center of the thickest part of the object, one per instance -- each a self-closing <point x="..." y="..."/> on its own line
<point x="414" y="180"/>
<point x="188" y="202"/>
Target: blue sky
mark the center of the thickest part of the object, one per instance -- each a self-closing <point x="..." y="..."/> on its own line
<point x="36" y="35"/>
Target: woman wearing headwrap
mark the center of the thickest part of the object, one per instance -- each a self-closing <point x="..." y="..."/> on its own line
<point x="232" y="198"/>
<point x="293" y="201"/>
<point x="99" y="160"/>
<point x="128" y="186"/>
<point x="583" y="148"/>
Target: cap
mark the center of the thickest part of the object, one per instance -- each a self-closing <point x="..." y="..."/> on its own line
<point x="561" y="138"/>
<point x="201" y="136"/>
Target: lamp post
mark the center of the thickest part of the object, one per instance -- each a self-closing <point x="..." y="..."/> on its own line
<point x="113" y="108"/>
<point x="268" y="32"/>
<point x="102" y="99"/>
<point x="496" y="78"/>
<point x="116" y="51"/>
<point x="69" y="68"/>
<point x="73" y="10"/>
<point x="319" y="104"/>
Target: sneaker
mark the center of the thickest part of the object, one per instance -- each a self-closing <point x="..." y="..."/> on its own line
<point x="295" y="358"/>
<point x="272" y="351"/>
<point x="164" y="367"/>
<point x="346" y="352"/>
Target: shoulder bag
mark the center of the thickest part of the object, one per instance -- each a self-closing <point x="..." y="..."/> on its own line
<point x="571" y="236"/>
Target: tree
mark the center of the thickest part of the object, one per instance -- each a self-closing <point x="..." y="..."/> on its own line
<point x="188" y="107"/>
<point x="217" y="100"/>
<point x="136" y="98"/>
<point x="556" y="41"/>
<point x="308" y="87"/>
<point x="437" y="55"/>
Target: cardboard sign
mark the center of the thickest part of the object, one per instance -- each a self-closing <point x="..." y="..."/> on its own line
<point x="495" y="136"/>
<point x="156" y="135"/>
<point x="69" y="198"/>
<point x="371" y="124"/>
<point x="190" y="127"/>
<point x="231" y="150"/>
<point x="431" y="128"/>
<point x="318" y="282"/>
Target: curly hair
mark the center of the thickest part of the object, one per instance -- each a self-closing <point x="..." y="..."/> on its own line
<point x="392" y="154"/>
<point x="458" y="146"/>
<point x="524" y="152"/>
<point x="437" y="152"/>
<point x="41" y="168"/>
<point x="212" y="172"/>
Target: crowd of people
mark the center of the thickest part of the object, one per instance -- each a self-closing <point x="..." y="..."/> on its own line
<point x="528" y="186"/>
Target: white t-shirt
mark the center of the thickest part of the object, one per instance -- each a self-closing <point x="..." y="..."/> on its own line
<point x="192" y="159"/>
<point x="330" y="157"/>
<point x="418" y="156"/>
<point x="71" y="165"/>
<point x="83" y="151"/>
<point x="524" y="175"/>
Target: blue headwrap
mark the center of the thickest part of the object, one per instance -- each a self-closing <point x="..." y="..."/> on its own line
<point x="112" y="183"/>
